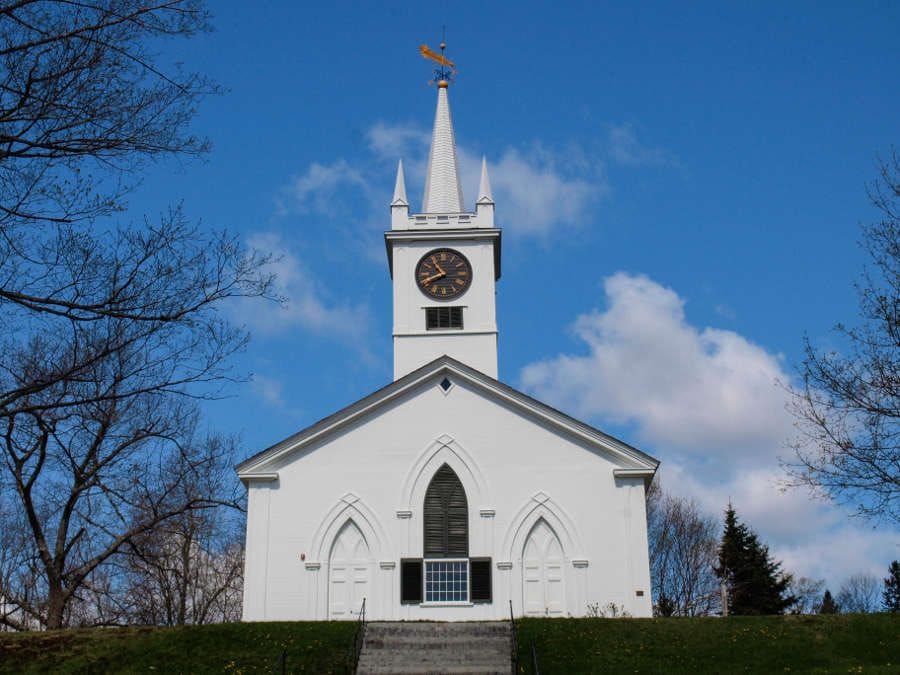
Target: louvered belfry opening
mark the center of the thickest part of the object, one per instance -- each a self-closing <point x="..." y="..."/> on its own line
<point x="446" y="516"/>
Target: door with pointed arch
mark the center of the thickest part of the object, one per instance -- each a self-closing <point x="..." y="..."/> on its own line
<point x="348" y="573"/>
<point x="543" y="593"/>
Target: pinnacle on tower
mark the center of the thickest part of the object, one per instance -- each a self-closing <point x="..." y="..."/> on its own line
<point x="484" y="187"/>
<point x="400" y="188"/>
<point x="443" y="193"/>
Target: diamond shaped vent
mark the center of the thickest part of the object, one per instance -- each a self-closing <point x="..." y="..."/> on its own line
<point x="446" y="384"/>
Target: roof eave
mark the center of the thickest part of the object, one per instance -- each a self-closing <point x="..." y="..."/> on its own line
<point x="643" y="462"/>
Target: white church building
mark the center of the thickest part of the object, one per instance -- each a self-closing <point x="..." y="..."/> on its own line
<point x="447" y="494"/>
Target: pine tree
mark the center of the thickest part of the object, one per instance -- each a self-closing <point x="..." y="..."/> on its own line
<point x="891" y="594"/>
<point x="754" y="581"/>
<point x="828" y="605"/>
<point x="665" y="606"/>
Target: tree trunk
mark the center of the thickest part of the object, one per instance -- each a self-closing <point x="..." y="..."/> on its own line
<point x="56" y="606"/>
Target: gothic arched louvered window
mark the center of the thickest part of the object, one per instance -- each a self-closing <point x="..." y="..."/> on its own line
<point x="446" y="516"/>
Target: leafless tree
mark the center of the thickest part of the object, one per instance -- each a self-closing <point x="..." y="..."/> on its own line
<point x="84" y="103"/>
<point x="189" y="571"/>
<point x="92" y="479"/>
<point x="97" y="413"/>
<point x="848" y="406"/>
<point x="861" y="593"/>
<point x="83" y="107"/>
<point x="110" y="333"/>
<point x="808" y="593"/>
<point x="683" y="551"/>
<point x="18" y="566"/>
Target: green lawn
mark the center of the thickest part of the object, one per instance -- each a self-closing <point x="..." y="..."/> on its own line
<point x="311" y="647"/>
<point x="853" y="643"/>
<point x="857" y="643"/>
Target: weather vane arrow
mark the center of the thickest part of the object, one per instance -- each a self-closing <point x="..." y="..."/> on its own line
<point x="446" y="69"/>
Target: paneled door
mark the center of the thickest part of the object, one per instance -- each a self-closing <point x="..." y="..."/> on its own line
<point x="542" y="573"/>
<point x="348" y="573"/>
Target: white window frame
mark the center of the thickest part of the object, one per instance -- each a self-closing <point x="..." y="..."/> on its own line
<point x="459" y="603"/>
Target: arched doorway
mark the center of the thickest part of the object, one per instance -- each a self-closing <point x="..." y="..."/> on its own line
<point x="348" y="573"/>
<point x="542" y="572"/>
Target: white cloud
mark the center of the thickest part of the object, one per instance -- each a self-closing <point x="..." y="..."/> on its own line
<point x="320" y="183"/>
<point x="708" y="402"/>
<point x="537" y="189"/>
<point x="697" y="391"/>
<point x="395" y="141"/>
<point x="626" y="149"/>
<point x="268" y="389"/>
<point x="305" y="304"/>
<point x="533" y="193"/>
<point x="812" y="538"/>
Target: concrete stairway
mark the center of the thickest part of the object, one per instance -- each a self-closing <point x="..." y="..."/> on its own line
<point x="434" y="648"/>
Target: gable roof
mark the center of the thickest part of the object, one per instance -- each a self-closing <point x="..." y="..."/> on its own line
<point x="640" y="463"/>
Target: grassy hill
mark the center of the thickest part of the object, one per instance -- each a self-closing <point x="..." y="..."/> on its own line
<point x="854" y="643"/>
<point x="310" y="647"/>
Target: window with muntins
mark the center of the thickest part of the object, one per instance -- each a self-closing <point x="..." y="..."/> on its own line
<point x="438" y="318"/>
<point x="446" y="581"/>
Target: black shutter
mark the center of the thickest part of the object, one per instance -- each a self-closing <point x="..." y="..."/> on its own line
<point x="480" y="569"/>
<point x="410" y="581"/>
<point x="446" y="510"/>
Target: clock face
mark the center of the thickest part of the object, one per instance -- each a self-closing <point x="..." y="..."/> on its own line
<point x="443" y="274"/>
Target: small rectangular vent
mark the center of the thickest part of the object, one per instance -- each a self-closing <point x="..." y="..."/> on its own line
<point x="437" y="318"/>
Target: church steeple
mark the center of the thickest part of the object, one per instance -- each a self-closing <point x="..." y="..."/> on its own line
<point x="443" y="193"/>
<point x="444" y="261"/>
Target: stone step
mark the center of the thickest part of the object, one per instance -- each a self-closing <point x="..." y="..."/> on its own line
<point x="434" y="647"/>
<point x="438" y="660"/>
<point x="457" y="628"/>
<point x="440" y="656"/>
<point x="443" y="670"/>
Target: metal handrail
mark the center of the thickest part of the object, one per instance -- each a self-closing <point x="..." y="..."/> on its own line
<point x="535" y="666"/>
<point x="514" y="656"/>
<point x="359" y="638"/>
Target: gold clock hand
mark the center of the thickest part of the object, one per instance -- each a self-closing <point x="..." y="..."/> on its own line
<point x="440" y="274"/>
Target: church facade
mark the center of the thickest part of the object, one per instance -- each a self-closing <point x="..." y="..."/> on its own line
<point x="445" y="495"/>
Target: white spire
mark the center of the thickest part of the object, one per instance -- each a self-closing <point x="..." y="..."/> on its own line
<point x="400" y="188"/>
<point x="443" y="193"/>
<point x="484" y="188"/>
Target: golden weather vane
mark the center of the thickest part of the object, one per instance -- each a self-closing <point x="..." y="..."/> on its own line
<point x="446" y="69"/>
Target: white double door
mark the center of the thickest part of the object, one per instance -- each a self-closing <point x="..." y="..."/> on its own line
<point x="348" y="573"/>
<point x="542" y="573"/>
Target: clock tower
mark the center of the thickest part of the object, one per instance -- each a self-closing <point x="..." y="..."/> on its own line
<point x="444" y="263"/>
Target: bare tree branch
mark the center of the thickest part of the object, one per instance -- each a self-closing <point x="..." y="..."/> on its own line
<point x="848" y="406"/>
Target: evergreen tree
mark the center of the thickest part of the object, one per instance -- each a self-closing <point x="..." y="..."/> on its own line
<point x="665" y="606"/>
<point x="754" y="581"/>
<point x="828" y="605"/>
<point x="891" y="594"/>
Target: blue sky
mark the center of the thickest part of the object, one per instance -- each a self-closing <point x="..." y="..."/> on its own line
<point x="689" y="181"/>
